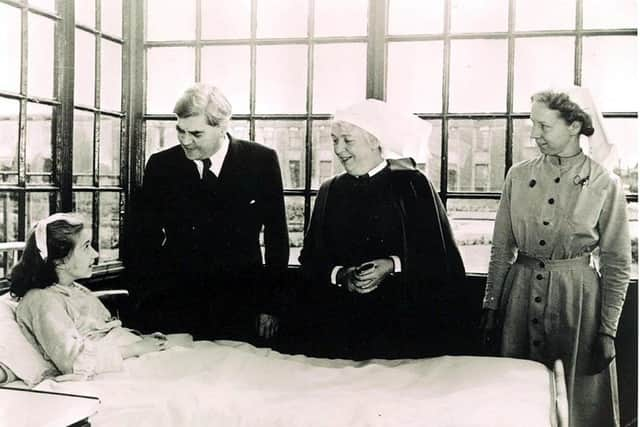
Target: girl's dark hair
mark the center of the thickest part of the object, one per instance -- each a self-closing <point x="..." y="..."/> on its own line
<point x="32" y="272"/>
<point x="569" y="110"/>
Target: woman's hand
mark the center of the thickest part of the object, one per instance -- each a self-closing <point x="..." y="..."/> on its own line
<point x="604" y="352"/>
<point x="488" y="330"/>
<point x="369" y="275"/>
<point x="147" y="344"/>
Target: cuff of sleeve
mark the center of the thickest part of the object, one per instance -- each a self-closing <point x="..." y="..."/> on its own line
<point x="397" y="264"/>
<point x="490" y="303"/>
<point x="607" y="331"/>
<point x="97" y="357"/>
<point x="334" y="275"/>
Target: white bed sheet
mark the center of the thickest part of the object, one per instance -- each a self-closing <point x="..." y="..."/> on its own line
<point x="227" y="383"/>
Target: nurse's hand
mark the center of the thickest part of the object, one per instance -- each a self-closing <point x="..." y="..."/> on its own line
<point x="489" y="331"/>
<point x="603" y="353"/>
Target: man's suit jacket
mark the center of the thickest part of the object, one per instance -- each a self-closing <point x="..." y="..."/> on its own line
<point x="211" y="234"/>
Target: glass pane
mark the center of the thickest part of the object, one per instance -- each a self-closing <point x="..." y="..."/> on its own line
<point x="170" y="71"/>
<point x="282" y="18"/>
<point x="472" y="222"/>
<point x="545" y="14"/>
<point x="171" y="20"/>
<point x="86" y="12"/>
<point x="341" y="18"/>
<point x="478" y="84"/>
<point x="227" y="67"/>
<point x="49" y="5"/>
<point x="8" y="228"/>
<point x="339" y="73"/>
<point x="239" y="129"/>
<point x="111" y="17"/>
<point x="632" y="214"/>
<point x="416" y="16"/>
<point x="41" y="47"/>
<point x="85" y="68"/>
<point x="605" y="14"/>
<point x="10" y="38"/>
<point x="476" y="155"/>
<point x="325" y="165"/>
<point x="160" y="135"/>
<point x="428" y="159"/>
<point x="82" y="204"/>
<point x="610" y="70"/>
<point x="623" y="135"/>
<point x="111" y="76"/>
<point x="82" y="148"/>
<point x="39" y="143"/>
<point x="9" y="148"/>
<point x="414" y="76"/>
<point x="108" y="247"/>
<point x="556" y="71"/>
<point x="524" y="148"/>
<point x="479" y="15"/>
<point x="8" y="216"/>
<point x="109" y="150"/>
<point x="287" y="137"/>
<point x="281" y="76"/>
<point x="226" y="19"/>
<point x="295" y="221"/>
<point x="38" y="207"/>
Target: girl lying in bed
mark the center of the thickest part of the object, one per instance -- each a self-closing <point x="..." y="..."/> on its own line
<point x="69" y="325"/>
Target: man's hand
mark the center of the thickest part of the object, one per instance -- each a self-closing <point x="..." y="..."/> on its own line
<point x="267" y="325"/>
<point x="604" y="352"/>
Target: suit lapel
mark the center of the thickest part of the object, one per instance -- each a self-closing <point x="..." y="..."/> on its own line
<point x="187" y="167"/>
<point x="231" y="164"/>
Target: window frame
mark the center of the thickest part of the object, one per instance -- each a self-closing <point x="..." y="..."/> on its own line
<point x="61" y="187"/>
<point x="378" y="40"/>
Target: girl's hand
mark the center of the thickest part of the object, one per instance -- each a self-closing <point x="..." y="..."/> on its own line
<point x="147" y="344"/>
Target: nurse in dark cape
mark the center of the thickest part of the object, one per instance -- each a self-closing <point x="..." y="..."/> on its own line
<point x="379" y="258"/>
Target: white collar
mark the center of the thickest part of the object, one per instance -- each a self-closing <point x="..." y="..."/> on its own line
<point x="378" y="168"/>
<point x="216" y="158"/>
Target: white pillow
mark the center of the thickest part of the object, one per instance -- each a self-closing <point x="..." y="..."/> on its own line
<point x="16" y="353"/>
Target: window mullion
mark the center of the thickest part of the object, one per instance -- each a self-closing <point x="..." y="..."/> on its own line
<point x="446" y="72"/>
<point x="198" y="56"/>
<point x="376" y="30"/>
<point x="252" y="72"/>
<point x="64" y="65"/>
<point x="577" y="67"/>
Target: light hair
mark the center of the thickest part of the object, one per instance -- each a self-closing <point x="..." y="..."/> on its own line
<point x="202" y="98"/>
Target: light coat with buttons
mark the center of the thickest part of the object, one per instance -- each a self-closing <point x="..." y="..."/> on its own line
<point x="560" y="209"/>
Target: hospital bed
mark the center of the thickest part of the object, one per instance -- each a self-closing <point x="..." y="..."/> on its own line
<point x="235" y="384"/>
<point x="228" y="383"/>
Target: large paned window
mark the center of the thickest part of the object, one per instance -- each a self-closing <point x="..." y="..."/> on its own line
<point x="62" y="118"/>
<point x="467" y="67"/>
<point x="471" y="67"/>
<point x="285" y="65"/>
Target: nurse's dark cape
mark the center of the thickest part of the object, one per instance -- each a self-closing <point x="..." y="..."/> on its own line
<point x="432" y="268"/>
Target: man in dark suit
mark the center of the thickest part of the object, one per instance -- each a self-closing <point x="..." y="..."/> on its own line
<point x="204" y="203"/>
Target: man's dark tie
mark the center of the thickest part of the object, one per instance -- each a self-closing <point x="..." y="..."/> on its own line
<point x="208" y="176"/>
